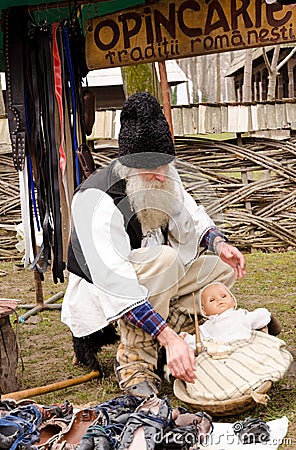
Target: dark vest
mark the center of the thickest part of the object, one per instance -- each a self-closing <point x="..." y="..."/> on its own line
<point x="105" y="180"/>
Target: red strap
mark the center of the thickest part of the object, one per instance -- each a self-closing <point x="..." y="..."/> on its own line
<point x="58" y="93"/>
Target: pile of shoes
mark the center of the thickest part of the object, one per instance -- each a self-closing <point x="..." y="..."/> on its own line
<point x="126" y="422"/>
<point x="19" y="427"/>
<point x="252" y="431"/>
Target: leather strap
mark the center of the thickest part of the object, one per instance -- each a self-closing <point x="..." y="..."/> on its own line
<point x="86" y="160"/>
<point x="57" y="69"/>
<point x="74" y="103"/>
<point x="42" y="88"/>
<point x="58" y="265"/>
<point x="38" y="152"/>
<point x="14" y="37"/>
<point x="25" y="209"/>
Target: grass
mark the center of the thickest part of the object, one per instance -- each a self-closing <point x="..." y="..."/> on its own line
<point x="46" y="346"/>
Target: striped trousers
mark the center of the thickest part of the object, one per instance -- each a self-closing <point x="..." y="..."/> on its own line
<point x="173" y="289"/>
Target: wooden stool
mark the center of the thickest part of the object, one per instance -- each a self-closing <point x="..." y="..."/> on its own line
<point x="8" y="349"/>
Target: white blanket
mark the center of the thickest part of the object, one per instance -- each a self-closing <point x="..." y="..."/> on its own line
<point x="223" y="437"/>
<point x="247" y="365"/>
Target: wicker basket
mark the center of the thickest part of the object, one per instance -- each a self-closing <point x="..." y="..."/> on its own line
<point x="226" y="407"/>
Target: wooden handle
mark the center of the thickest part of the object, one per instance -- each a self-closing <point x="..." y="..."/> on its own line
<point x="27" y="393"/>
<point x="198" y="349"/>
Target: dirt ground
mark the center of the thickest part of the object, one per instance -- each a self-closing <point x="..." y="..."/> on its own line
<point x="45" y="344"/>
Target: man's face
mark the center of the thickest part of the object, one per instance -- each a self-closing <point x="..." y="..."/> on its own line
<point x="216" y="299"/>
<point x="157" y="174"/>
<point x="152" y="195"/>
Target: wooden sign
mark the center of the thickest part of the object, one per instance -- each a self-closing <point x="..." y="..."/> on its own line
<point x="183" y="28"/>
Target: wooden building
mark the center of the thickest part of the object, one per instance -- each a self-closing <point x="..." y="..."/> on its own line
<point x="107" y="84"/>
<point x="286" y="79"/>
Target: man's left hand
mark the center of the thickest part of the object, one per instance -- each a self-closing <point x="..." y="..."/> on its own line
<point x="232" y="256"/>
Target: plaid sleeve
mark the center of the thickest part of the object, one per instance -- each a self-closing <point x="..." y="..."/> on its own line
<point x="209" y="236"/>
<point x="146" y="318"/>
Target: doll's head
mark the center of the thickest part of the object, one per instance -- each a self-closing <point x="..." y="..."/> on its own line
<point x="215" y="298"/>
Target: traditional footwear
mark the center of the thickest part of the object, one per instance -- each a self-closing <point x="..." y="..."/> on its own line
<point x="95" y="438"/>
<point x="252" y="431"/>
<point x="117" y="410"/>
<point x="137" y="379"/>
<point x="203" y="421"/>
<point x="143" y="389"/>
<point x="60" y="410"/>
<point x="190" y="429"/>
<point x="8" y="404"/>
<point x="146" y="424"/>
<point x="20" y="428"/>
<point x="101" y="438"/>
<point x="77" y="428"/>
<point x="50" y="432"/>
<point x="181" y="437"/>
<point x="114" y="431"/>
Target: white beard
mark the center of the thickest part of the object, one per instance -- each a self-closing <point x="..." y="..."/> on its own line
<point x="152" y="201"/>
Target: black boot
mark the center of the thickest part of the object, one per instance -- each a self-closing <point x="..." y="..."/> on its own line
<point x="87" y="347"/>
<point x="274" y="327"/>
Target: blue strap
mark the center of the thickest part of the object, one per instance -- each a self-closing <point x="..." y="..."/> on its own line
<point x="27" y="428"/>
<point x="73" y="96"/>
<point x="30" y="167"/>
<point x="32" y="189"/>
<point x="29" y="161"/>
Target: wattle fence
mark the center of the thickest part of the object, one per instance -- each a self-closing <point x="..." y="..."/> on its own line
<point x="248" y="189"/>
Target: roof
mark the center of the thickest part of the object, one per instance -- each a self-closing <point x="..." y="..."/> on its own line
<point x="112" y="76"/>
<point x="239" y="61"/>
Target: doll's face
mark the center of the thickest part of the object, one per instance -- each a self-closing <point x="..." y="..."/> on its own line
<point x="216" y="299"/>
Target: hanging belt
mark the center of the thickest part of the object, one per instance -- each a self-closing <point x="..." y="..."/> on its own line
<point x="14" y="35"/>
<point x="37" y="151"/>
<point x="25" y="210"/>
<point x="49" y="122"/>
<point x="15" y="22"/>
<point x="73" y="96"/>
<point x="58" y="92"/>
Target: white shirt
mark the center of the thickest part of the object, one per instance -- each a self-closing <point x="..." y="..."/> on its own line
<point x="231" y="325"/>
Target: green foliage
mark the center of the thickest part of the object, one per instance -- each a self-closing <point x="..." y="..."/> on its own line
<point x="139" y="78"/>
<point x="173" y="95"/>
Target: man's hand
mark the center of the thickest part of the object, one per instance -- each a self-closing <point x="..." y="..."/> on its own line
<point x="180" y="357"/>
<point x="232" y="256"/>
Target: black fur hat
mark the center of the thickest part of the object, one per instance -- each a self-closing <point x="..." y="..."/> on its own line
<point x="145" y="140"/>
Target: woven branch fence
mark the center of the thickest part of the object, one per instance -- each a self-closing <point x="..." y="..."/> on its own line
<point x="10" y="208"/>
<point x="249" y="190"/>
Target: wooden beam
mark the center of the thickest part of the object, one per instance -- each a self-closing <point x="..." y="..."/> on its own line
<point x="67" y="3"/>
<point x="166" y="99"/>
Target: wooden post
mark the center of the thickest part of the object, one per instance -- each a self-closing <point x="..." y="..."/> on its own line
<point x="165" y="90"/>
<point x="291" y="66"/>
<point x="38" y="288"/>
